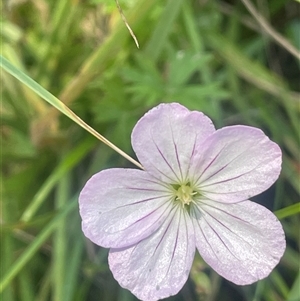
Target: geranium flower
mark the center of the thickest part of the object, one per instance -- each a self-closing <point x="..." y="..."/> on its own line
<point x="193" y="193"/>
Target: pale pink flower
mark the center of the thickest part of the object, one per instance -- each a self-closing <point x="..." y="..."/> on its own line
<point x="192" y="194"/>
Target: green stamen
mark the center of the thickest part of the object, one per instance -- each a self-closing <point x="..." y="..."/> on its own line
<point x="185" y="194"/>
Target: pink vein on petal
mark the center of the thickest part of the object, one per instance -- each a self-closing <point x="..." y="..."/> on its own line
<point x="150" y="257"/>
<point x="177" y="158"/>
<point x="138" y="202"/>
<point x="175" y="243"/>
<point x="196" y="220"/>
<point x="187" y="231"/>
<point x="192" y="154"/>
<point x="218" y="221"/>
<point x="222" y="210"/>
<point x="158" y="182"/>
<point x="230" y="179"/>
<point x="161" y="154"/>
<point x="148" y="215"/>
<point x="175" y="208"/>
<point x="216" y="232"/>
<point x="228" y="164"/>
<point x="210" y="163"/>
<point x="175" y="147"/>
<point x="145" y="189"/>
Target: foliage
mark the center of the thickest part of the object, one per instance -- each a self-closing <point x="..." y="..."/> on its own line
<point x="211" y="56"/>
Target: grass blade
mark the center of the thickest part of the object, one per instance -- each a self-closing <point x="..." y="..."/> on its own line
<point x="54" y="101"/>
<point x="288" y="211"/>
<point x="66" y="165"/>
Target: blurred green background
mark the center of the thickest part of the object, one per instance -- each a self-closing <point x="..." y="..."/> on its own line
<point x="211" y="56"/>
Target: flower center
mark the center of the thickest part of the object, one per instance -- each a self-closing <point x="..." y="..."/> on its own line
<point x="185" y="194"/>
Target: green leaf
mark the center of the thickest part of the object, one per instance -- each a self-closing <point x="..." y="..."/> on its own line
<point x="184" y="65"/>
<point x="163" y="28"/>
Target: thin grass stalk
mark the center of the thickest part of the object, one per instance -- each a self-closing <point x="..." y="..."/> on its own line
<point x="72" y="273"/>
<point x="59" y="255"/>
<point x="251" y="71"/>
<point x="30" y="251"/>
<point x="278" y="38"/>
<point x="27" y="284"/>
<point x="45" y="287"/>
<point x="71" y="159"/>
<point x="7" y="247"/>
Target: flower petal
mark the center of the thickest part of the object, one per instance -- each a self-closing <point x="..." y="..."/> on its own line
<point x="119" y="207"/>
<point x="235" y="163"/>
<point x="243" y="242"/>
<point x="165" y="139"/>
<point x="158" y="266"/>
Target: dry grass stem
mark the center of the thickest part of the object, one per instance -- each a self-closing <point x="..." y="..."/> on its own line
<point x="127" y="25"/>
<point x="271" y="31"/>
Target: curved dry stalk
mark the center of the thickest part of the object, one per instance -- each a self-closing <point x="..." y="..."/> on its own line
<point x="270" y="30"/>
<point x="127" y="25"/>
